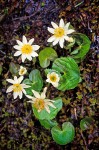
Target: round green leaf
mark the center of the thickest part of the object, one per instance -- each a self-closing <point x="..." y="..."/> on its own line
<point x="13" y="68"/>
<point x="83" y="43"/>
<point x="70" y="72"/>
<point x="36" y="80"/>
<point x="46" y="55"/>
<point x="85" y="123"/>
<point x="48" y="124"/>
<point x="65" y="135"/>
<point x="53" y="111"/>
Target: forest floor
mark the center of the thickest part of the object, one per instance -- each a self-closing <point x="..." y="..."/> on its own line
<point x="19" y="129"/>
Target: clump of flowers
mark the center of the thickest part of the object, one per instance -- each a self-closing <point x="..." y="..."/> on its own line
<point x="40" y="102"/>
<point x="17" y="88"/>
<point x="26" y="49"/>
<point x="60" y="33"/>
<point x="64" y="74"/>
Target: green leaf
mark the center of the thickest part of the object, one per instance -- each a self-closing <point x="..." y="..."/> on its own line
<point x="46" y="55"/>
<point x="85" y="123"/>
<point x="65" y="135"/>
<point x="28" y="90"/>
<point x="70" y="45"/>
<point x="53" y="111"/>
<point x="48" y="124"/>
<point x="13" y="68"/>
<point x="36" y="80"/>
<point x="83" y="43"/>
<point x="69" y="70"/>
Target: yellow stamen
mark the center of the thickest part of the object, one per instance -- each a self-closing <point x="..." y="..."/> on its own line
<point x="59" y="32"/>
<point x="26" y="49"/>
<point x="22" y="71"/>
<point x="17" y="87"/>
<point x="39" y="104"/>
<point x="53" y="78"/>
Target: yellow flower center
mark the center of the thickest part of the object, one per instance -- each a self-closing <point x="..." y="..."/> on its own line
<point x="39" y="104"/>
<point x="17" y="87"/>
<point x="22" y="71"/>
<point x="53" y="78"/>
<point x="26" y="49"/>
<point x="59" y="32"/>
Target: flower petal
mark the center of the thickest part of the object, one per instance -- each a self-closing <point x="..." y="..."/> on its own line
<point x="34" y="54"/>
<point x="47" y="109"/>
<point x="51" y="39"/>
<point x="24" y="40"/>
<point x="69" y="39"/>
<point x="30" y="101"/>
<point x="30" y="97"/>
<point x="15" y="78"/>
<point x="70" y="31"/>
<point x="15" y="95"/>
<point x="25" y="86"/>
<point x="61" y="24"/>
<point x="55" y="42"/>
<point x="66" y="38"/>
<point x="67" y="25"/>
<point x="17" y="53"/>
<point x="19" y="43"/>
<point x="54" y="25"/>
<point x="17" y="47"/>
<point x="43" y="93"/>
<point x="20" y="79"/>
<point x="10" y="81"/>
<point x="47" y="80"/>
<point x="10" y="88"/>
<point x="24" y="91"/>
<point x="51" y="30"/>
<point x="31" y="41"/>
<point x="50" y="104"/>
<point x="29" y="57"/>
<point x="61" y="42"/>
<point x="20" y="94"/>
<point x="23" y="57"/>
<point x="36" y="94"/>
<point x="55" y="84"/>
<point x="35" y="47"/>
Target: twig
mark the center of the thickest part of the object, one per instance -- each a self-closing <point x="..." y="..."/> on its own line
<point x="84" y="139"/>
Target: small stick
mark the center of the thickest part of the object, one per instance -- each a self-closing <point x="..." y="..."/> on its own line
<point x="84" y="139"/>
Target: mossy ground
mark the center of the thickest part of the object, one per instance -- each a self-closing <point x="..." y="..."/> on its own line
<point x="19" y="129"/>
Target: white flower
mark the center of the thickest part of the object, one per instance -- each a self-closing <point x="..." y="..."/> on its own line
<point x="53" y="78"/>
<point x="22" y="70"/>
<point x="26" y="49"/>
<point x="60" y="33"/>
<point x="17" y="88"/>
<point x="40" y="102"/>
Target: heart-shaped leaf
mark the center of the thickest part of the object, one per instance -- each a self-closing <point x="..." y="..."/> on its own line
<point x="48" y="124"/>
<point x="65" y="135"/>
<point x="53" y="111"/>
<point x="46" y="55"/>
<point x="85" y="123"/>
<point x="83" y="43"/>
<point x="69" y="70"/>
<point x="36" y="80"/>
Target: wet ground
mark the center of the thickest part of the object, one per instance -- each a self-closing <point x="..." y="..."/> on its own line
<point x="19" y="129"/>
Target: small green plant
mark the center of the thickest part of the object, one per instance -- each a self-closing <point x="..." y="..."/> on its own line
<point x="62" y="72"/>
